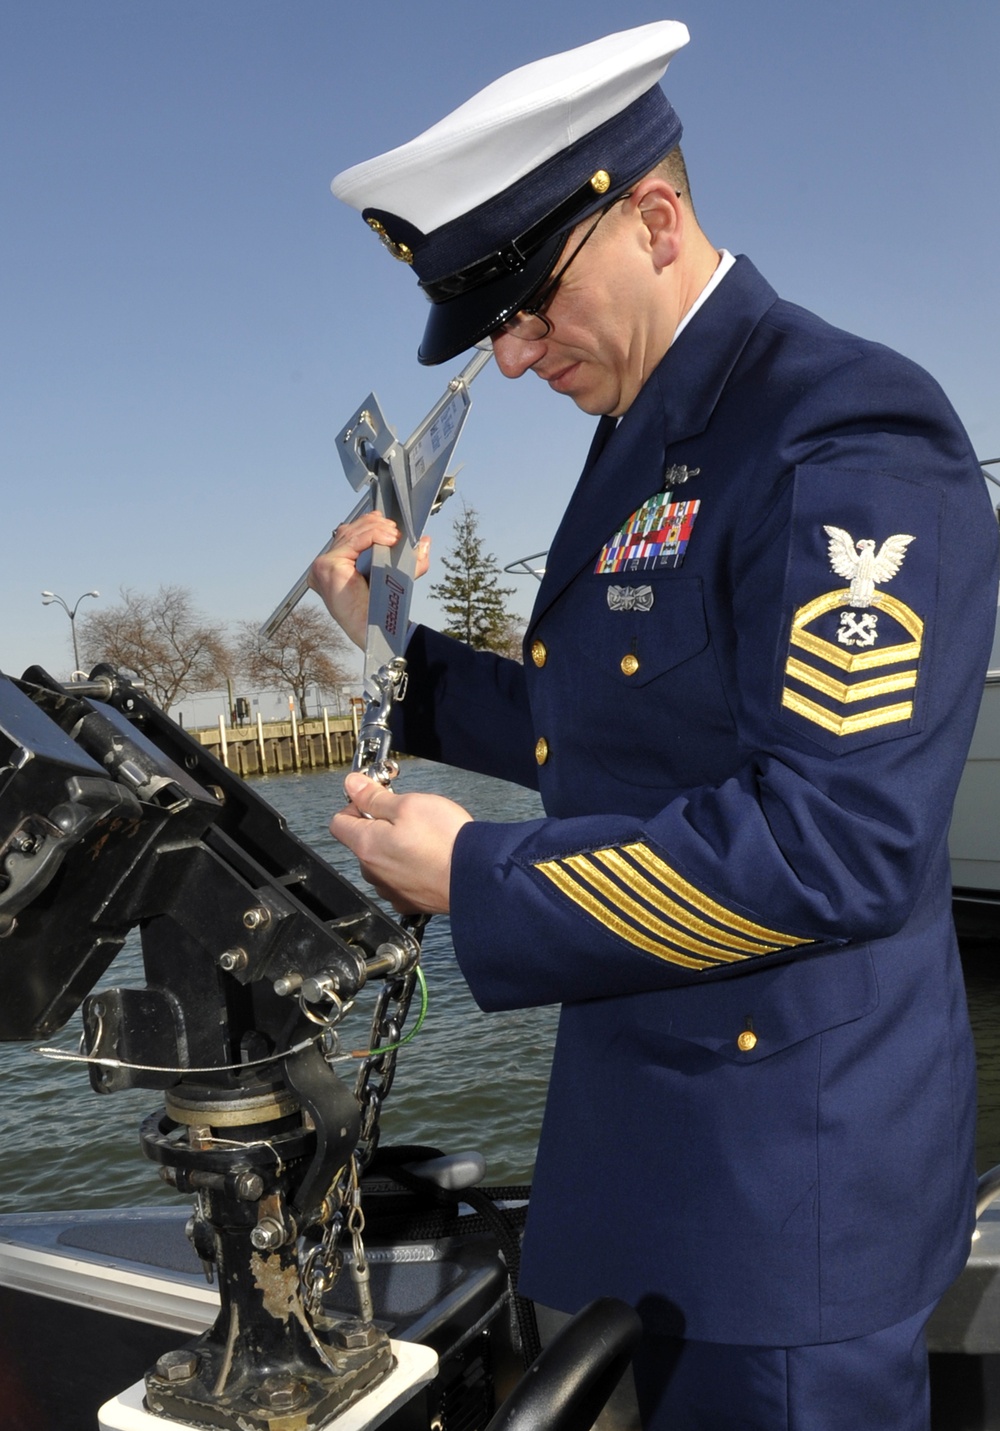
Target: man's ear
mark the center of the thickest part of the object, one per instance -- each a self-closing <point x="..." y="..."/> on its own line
<point x="661" y="211"/>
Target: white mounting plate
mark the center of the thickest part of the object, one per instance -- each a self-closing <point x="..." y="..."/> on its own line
<point x="416" y="1365"/>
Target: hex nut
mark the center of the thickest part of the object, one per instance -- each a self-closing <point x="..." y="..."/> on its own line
<point x="267" y="1235"/>
<point x="249" y="1187"/>
<point x="178" y="1365"/>
<point x="353" y="1335"/>
<point x="281" y="1395"/>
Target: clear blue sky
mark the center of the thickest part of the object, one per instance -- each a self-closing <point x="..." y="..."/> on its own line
<point x="188" y="317"/>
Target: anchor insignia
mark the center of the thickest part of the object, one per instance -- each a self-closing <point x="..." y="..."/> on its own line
<point x="857" y="630"/>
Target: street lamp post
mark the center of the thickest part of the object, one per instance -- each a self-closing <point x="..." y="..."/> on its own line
<point x="47" y="599"/>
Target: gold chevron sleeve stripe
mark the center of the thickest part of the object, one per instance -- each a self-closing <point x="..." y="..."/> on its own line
<point x="858" y="660"/>
<point x="845" y="725"/>
<point x="660" y="898"/>
<point x="859" y="691"/>
<point x="584" y="868"/>
<point x="679" y="886"/>
<point x="573" y="890"/>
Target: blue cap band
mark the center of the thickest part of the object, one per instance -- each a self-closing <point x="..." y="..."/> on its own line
<point x="490" y="238"/>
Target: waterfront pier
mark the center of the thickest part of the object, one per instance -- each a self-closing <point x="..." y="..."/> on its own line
<point x="271" y="747"/>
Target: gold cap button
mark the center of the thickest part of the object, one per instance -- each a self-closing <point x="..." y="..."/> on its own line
<point x="746" y="1041"/>
<point x="541" y="750"/>
<point x="538" y="653"/>
<point x="630" y="664"/>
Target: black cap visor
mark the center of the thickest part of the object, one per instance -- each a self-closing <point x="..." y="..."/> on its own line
<point x="458" y="323"/>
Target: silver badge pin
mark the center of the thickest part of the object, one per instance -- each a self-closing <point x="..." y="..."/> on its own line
<point x="678" y="473"/>
<point x="630" y="598"/>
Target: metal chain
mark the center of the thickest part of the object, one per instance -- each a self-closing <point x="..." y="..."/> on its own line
<point x="324" y="1262"/>
<point x="376" y="1074"/>
<point x="322" y="1265"/>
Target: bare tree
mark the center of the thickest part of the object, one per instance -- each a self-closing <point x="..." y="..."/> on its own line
<point x="306" y="650"/>
<point x="164" y="639"/>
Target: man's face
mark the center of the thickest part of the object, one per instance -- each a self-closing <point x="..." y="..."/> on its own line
<point x="604" y="339"/>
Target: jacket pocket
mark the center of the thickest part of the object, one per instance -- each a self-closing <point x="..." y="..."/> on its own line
<point x="635" y="632"/>
<point x="751" y="1018"/>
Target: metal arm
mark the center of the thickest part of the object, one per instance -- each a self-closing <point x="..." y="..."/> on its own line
<point x="113" y="818"/>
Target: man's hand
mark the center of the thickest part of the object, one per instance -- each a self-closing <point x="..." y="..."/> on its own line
<point x="405" y="846"/>
<point x="335" y="576"/>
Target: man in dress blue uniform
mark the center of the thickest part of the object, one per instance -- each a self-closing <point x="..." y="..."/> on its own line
<point x="751" y="677"/>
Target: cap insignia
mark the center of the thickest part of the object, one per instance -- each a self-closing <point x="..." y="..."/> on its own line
<point x="398" y="250"/>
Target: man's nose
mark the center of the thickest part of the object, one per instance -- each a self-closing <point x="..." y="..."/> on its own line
<point x="514" y="356"/>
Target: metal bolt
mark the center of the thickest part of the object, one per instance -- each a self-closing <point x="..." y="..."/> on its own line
<point x="177" y="1365"/>
<point x="232" y="960"/>
<point x="281" y="1395"/>
<point x="354" y="1334"/>
<point x="249" y="1187"/>
<point x="290" y="984"/>
<point x="267" y="1235"/>
<point x="257" y="918"/>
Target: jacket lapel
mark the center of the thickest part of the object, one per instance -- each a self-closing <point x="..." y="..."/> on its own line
<point x="627" y="460"/>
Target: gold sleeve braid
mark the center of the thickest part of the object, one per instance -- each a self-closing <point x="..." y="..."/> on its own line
<point x="638" y="896"/>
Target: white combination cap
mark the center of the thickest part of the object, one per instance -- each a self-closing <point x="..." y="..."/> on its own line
<point x="480" y="203"/>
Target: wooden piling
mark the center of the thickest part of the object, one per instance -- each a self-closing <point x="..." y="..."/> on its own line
<point x="276" y="746"/>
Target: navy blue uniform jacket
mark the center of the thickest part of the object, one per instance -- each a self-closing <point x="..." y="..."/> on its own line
<point x="751" y="677"/>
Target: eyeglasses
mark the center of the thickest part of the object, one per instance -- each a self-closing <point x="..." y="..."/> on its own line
<point x="529" y="323"/>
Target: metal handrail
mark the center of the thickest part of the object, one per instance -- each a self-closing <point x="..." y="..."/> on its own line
<point x="987" y="1188"/>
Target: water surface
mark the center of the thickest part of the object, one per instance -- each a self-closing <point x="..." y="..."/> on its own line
<point x="469" y="1080"/>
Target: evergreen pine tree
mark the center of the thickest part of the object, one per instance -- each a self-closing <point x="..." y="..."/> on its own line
<point x="471" y="593"/>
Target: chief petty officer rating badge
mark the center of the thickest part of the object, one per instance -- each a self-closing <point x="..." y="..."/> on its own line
<point x="841" y="630"/>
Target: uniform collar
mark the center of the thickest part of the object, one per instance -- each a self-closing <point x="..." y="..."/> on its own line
<point x="725" y="263"/>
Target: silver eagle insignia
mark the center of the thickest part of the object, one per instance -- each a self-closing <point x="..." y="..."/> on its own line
<point x="859" y="563"/>
<point x="630" y="598"/>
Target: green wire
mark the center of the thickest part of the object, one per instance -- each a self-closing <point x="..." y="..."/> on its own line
<point x="392" y="1047"/>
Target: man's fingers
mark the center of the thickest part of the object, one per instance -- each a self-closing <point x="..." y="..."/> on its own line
<point x="369" y="796"/>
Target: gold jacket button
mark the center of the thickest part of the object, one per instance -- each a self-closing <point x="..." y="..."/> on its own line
<point x="538" y="653"/>
<point x="541" y="750"/>
<point x="630" y="664"/>
<point x="746" y="1041"/>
